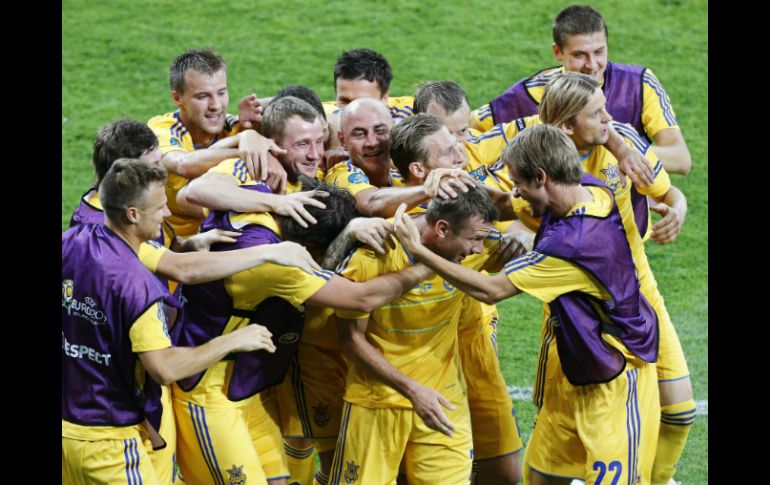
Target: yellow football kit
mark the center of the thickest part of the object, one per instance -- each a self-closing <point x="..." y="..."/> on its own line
<point x="243" y="438"/>
<point x="417" y="334"/>
<point x="593" y="432"/>
<point x="174" y="136"/>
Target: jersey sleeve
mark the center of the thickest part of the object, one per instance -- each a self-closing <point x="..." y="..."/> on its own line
<point x="483" y="118"/>
<point x="294" y="285"/>
<point x="347" y="176"/>
<point x="150" y="253"/>
<point x="657" y="112"/>
<point x="360" y="265"/>
<point x="170" y="133"/>
<point x="149" y="331"/>
<point x="546" y="277"/>
<point x="233" y="167"/>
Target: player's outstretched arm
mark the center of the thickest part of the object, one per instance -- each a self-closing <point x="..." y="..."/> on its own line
<point x="173" y="363"/>
<point x="201" y="267"/>
<point x="672" y="151"/>
<point x="488" y="289"/>
<point x="427" y="402"/>
<point x="369" y="295"/>
<point x="218" y="191"/>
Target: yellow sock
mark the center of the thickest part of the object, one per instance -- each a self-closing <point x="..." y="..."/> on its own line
<point x="320" y="478"/>
<point x="301" y="464"/>
<point x="675" y="423"/>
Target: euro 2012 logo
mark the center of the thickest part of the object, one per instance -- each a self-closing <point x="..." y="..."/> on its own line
<point x="67" y="290"/>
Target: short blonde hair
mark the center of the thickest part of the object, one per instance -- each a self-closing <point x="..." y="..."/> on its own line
<point x="564" y="97"/>
<point x="544" y="147"/>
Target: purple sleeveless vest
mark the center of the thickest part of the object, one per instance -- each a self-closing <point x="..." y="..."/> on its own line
<point x="599" y="246"/>
<point x="105" y="288"/>
<point x="622" y="88"/>
<point x="208" y="308"/>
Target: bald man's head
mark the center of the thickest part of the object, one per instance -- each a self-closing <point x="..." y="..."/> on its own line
<point x="364" y="131"/>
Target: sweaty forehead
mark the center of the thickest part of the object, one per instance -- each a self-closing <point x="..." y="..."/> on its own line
<point x="197" y="80"/>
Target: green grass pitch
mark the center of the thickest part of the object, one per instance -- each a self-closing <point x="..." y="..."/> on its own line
<point x="115" y="57"/>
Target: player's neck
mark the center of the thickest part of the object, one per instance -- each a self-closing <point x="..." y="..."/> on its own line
<point x="125" y="234"/>
<point x="200" y="138"/>
<point x="425" y="231"/>
<point x="568" y="196"/>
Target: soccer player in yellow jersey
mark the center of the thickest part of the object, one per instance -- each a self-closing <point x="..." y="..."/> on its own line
<point x="369" y="175"/>
<point x="405" y="397"/>
<point x="575" y="103"/>
<point x="362" y="73"/>
<point x="132" y="139"/>
<point x="201" y="133"/>
<point x="239" y="432"/>
<point x="634" y="94"/>
<point x="298" y="130"/>
<point x="419" y="145"/>
<point x="599" y="417"/>
<point x="102" y="369"/>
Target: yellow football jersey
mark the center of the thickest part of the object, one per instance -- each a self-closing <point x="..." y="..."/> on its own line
<point x="174" y="136"/>
<point x="399" y="107"/>
<point x="417" y="333"/>
<point x="246" y="290"/>
<point x="346" y="175"/>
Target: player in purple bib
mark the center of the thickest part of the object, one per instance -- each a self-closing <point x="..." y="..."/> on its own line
<point x="600" y="412"/>
<point x="114" y="327"/>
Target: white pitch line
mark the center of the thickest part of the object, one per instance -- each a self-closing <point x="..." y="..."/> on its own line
<point x="525" y="394"/>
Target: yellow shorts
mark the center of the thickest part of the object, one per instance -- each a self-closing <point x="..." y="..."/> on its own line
<point x="372" y="442"/>
<point x="671" y="363"/>
<point x="106" y="461"/>
<point x="311" y="396"/>
<point x="224" y="442"/>
<point x="599" y="432"/>
<point x="495" y="431"/>
<point x="164" y="459"/>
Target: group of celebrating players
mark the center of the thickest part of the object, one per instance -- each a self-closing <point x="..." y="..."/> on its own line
<point x="239" y="291"/>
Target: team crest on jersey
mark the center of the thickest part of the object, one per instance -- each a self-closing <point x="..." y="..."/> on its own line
<point x="358" y="178"/>
<point x="237" y="477"/>
<point x="448" y="286"/>
<point x="612" y="176"/>
<point x="479" y="174"/>
<point x="351" y="472"/>
<point x="288" y="338"/>
<point x="67" y="289"/>
<point x="174" y="142"/>
<point x="421" y="289"/>
<point x="321" y="416"/>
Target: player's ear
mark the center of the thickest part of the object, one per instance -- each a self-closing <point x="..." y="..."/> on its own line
<point x="417" y="170"/>
<point x="568" y="128"/>
<point x="176" y="97"/>
<point x="340" y="138"/>
<point x="385" y="97"/>
<point x="540" y="177"/>
<point x="442" y="228"/>
<point x="132" y="215"/>
<point x="557" y="52"/>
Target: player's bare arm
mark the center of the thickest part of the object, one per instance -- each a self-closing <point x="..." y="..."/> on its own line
<point x="369" y="295"/>
<point x="488" y="289"/>
<point x="427" y="402"/>
<point x="372" y="231"/>
<point x="218" y="191"/>
<point x="672" y="151"/>
<point x="173" y="363"/>
<point x="200" y="267"/>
